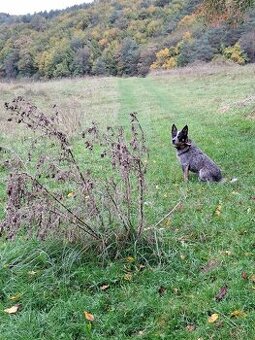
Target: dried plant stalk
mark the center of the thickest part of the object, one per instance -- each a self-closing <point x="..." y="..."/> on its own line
<point x="51" y="193"/>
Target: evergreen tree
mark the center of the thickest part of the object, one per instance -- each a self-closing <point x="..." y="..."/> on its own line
<point x="128" y="57"/>
<point x="11" y="64"/>
<point x="81" y="62"/>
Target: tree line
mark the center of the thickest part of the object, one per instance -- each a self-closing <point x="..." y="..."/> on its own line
<point x="125" y="37"/>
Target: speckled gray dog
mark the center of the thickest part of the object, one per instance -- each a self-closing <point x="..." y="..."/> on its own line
<point x="193" y="159"/>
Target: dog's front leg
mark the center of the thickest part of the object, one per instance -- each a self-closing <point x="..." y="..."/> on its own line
<point x="185" y="170"/>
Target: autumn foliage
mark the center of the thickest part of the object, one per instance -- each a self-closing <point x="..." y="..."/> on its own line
<point x="113" y="37"/>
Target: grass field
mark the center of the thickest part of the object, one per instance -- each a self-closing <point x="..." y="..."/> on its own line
<point x="208" y="241"/>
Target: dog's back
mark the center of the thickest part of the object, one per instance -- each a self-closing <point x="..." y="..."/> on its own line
<point x="199" y="163"/>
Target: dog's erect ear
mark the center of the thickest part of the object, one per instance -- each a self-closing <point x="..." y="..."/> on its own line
<point x="174" y="130"/>
<point x="185" y="130"/>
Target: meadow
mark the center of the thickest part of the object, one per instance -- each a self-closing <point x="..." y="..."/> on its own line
<point x="202" y="285"/>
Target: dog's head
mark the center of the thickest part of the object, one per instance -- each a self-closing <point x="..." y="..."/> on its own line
<point x="180" y="138"/>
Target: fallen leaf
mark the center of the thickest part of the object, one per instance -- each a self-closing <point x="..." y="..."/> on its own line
<point x="244" y="275"/>
<point x="167" y="222"/>
<point x="238" y="314"/>
<point x="210" y="265"/>
<point x="70" y="194"/>
<point x="214" y="317"/>
<point x="141" y="266"/>
<point x="183" y="257"/>
<point x="89" y="316"/>
<point x="12" y="310"/>
<point x="191" y="327"/>
<point x="130" y="259"/>
<point x="32" y="273"/>
<point x="161" y="290"/>
<point x="252" y="278"/>
<point x="218" y="209"/>
<point x="104" y="287"/>
<point x="222" y="293"/>
<point x="15" y="297"/>
<point x="128" y="277"/>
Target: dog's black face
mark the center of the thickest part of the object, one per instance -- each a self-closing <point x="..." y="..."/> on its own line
<point x="180" y="138"/>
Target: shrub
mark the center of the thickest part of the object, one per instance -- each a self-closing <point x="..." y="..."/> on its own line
<point x="51" y="193"/>
<point x="235" y="54"/>
<point x="165" y="59"/>
<point x="247" y="43"/>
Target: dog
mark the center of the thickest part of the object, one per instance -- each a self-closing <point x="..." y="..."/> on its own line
<point x="193" y="159"/>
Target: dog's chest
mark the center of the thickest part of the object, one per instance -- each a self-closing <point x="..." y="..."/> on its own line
<point x="193" y="158"/>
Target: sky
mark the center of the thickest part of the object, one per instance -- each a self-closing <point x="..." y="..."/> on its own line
<point x="30" y="6"/>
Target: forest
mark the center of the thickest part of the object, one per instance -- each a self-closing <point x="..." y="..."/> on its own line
<point x="124" y="37"/>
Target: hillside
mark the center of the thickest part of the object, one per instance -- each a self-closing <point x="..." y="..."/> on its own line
<point x="120" y="37"/>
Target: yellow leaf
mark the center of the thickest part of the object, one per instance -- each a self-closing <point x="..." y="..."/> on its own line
<point x="130" y="259"/>
<point x="89" y="316"/>
<point x="214" y="317"/>
<point x="12" y="310"/>
<point x="32" y="273"/>
<point x="218" y="209"/>
<point x="15" y="297"/>
<point x="238" y="314"/>
<point x="183" y="257"/>
<point x="252" y="278"/>
<point x="167" y="222"/>
<point x="128" y="277"/>
<point x="70" y="194"/>
<point x="190" y="327"/>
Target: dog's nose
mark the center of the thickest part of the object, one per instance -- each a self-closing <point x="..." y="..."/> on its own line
<point x="173" y="140"/>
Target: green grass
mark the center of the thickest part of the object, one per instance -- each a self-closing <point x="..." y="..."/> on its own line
<point x="203" y="250"/>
